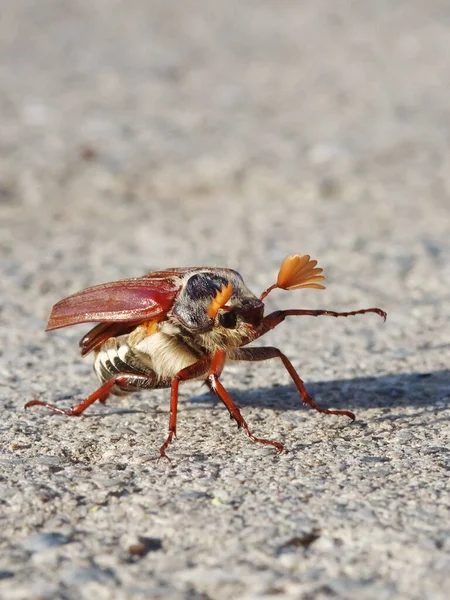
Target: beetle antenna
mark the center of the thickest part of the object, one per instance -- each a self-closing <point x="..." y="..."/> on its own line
<point x="267" y="292"/>
<point x="297" y="271"/>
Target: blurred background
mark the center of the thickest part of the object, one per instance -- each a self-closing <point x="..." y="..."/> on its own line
<point x="141" y="134"/>
<point x="137" y="135"/>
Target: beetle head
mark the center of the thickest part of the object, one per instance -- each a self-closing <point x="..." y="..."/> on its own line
<point x="217" y="300"/>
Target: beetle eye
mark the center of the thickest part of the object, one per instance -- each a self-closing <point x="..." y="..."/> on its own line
<point x="227" y="319"/>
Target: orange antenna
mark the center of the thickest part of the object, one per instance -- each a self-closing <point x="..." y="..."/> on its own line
<point x="297" y="271"/>
<point x="220" y="299"/>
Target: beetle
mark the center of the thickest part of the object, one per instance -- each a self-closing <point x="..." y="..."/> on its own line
<point x="180" y="324"/>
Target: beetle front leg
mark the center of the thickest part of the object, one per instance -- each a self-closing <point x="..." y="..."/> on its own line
<point x="266" y="353"/>
<point x="122" y="380"/>
<point x="192" y="372"/>
<point x="273" y="319"/>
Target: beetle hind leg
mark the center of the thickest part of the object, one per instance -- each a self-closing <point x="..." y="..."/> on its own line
<point x="268" y="352"/>
<point x="124" y="381"/>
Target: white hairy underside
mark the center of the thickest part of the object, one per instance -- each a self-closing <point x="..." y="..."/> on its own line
<point x="167" y="354"/>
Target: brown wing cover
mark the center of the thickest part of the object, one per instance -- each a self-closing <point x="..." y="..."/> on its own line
<point x="126" y="301"/>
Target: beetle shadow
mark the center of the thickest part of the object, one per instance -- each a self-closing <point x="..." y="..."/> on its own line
<point x="419" y="390"/>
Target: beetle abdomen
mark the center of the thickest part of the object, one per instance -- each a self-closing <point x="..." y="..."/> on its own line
<point x="114" y="357"/>
<point x="159" y="356"/>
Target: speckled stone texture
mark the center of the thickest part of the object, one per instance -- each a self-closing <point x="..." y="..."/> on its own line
<point x="140" y="134"/>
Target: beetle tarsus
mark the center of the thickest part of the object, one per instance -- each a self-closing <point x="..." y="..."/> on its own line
<point x="328" y="411"/>
<point x="68" y="412"/>
<point x="162" y="454"/>
<point x="162" y="450"/>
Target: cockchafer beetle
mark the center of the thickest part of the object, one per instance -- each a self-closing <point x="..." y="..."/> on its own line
<point x="180" y="324"/>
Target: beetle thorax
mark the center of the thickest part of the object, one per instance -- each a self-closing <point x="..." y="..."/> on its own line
<point x="207" y="342"/>
<point x="220" y="338"/>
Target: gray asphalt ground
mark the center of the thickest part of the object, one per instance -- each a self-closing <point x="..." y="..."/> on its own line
<point x="139" y="134"/>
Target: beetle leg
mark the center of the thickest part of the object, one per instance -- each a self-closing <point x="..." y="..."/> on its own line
<point x="122" y="380"/>
<point x="104" y="398"/>
<point x="216" y="387"/>
<point x="277" y="317"/>
<point x="192" y="372"/>
<point x="257" y="354"/>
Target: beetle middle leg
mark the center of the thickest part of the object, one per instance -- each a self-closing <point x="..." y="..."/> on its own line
<point x="217" y="388"/>
<point x="266" y="353"/>
<point x="122" y="380"/>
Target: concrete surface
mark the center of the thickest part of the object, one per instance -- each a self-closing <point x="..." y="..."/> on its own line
<point x="140" y="134"/>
